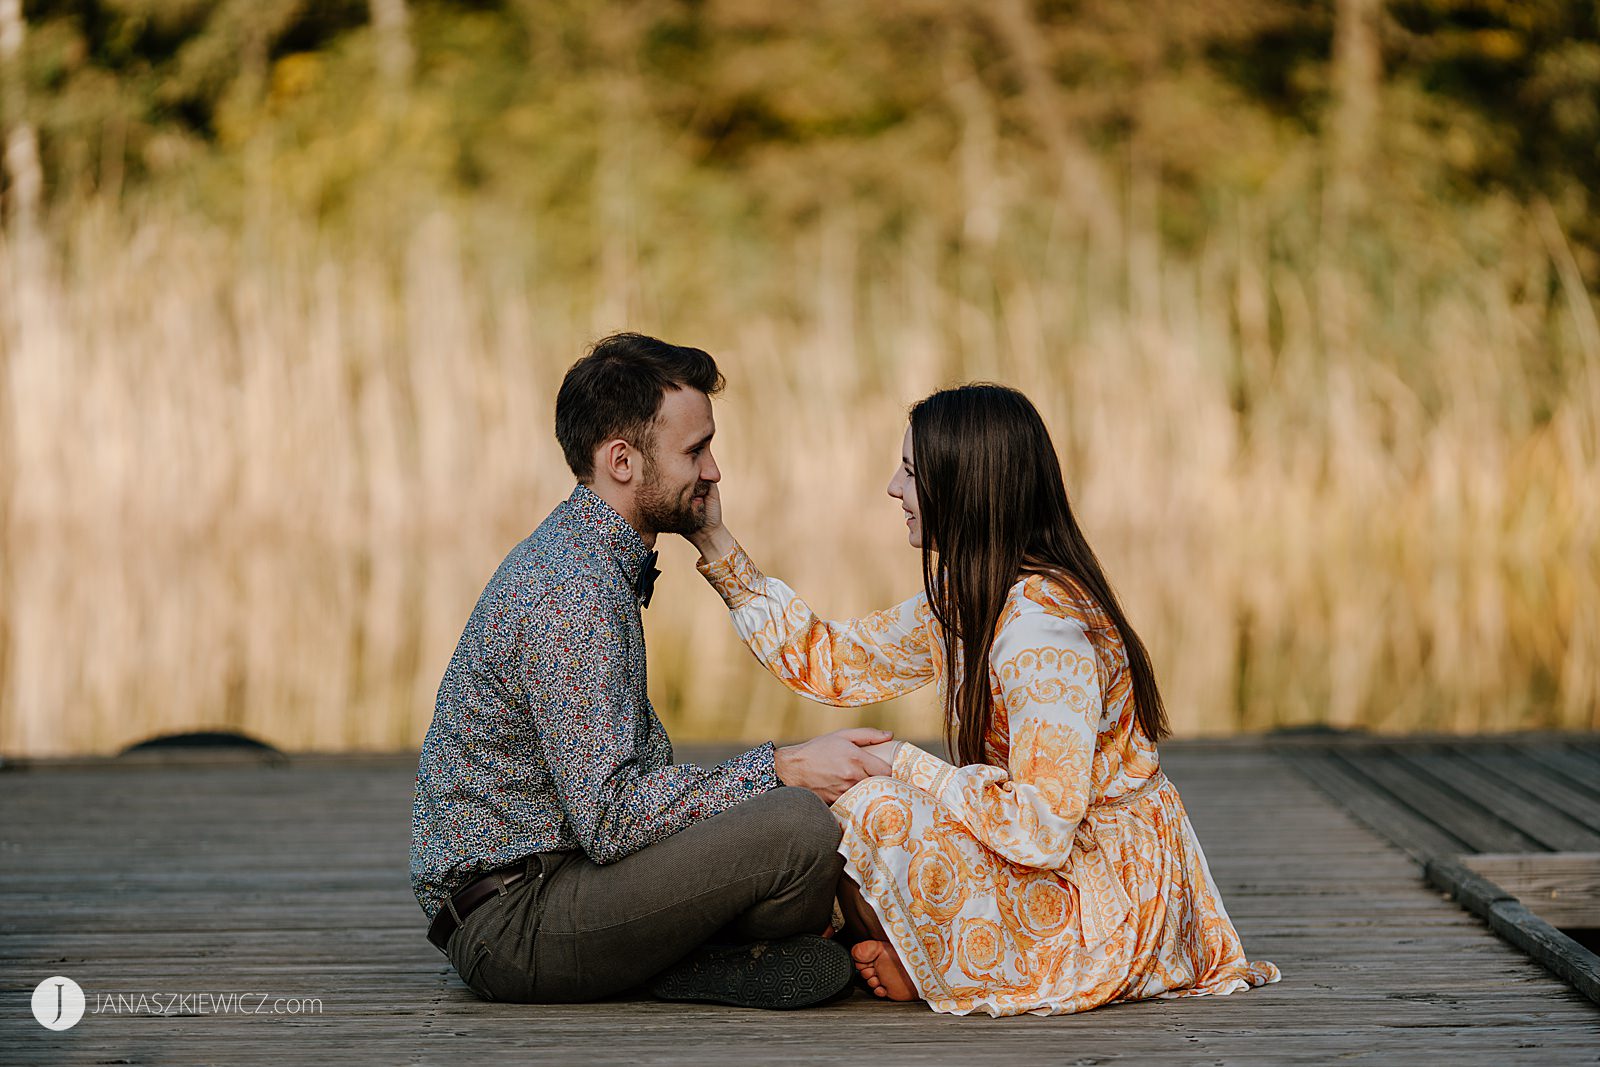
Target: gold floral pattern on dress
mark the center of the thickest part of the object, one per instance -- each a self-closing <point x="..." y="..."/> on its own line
<point x="887" y="821"/>
<point x="1041" y="906"/>
<point x="935" y="880"/>
<point x="980" y="948"/>
<point x="1054" y="759"/>
<point x="1063" y="876"/>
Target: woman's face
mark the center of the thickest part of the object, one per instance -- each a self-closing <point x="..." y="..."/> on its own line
<point x="903" y="487"/>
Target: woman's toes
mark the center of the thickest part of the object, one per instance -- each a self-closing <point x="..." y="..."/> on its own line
<point x="883" y="970"/>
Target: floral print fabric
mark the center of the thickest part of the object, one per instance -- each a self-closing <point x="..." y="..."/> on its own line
<point x="1060" y="875"/>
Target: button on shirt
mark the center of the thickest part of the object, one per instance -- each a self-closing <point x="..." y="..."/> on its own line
<point x="543" y="737"/>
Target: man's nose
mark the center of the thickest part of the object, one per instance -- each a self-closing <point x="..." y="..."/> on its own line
<point x="709" y="472"/>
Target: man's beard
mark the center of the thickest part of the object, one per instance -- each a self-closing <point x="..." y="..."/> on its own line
<point x="667" y="514"/>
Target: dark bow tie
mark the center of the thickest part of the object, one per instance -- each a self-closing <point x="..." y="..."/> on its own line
<point x="645" y="584"/>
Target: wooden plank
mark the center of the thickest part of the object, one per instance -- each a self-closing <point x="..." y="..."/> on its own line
<point x="1513" y="921"/>
<point x="1562" y="888"/>
<point x="1579" y="772"/>
<point x="1447" y="809"/>
<point x="1530" y="814"/>
<point x="1517" y="769"/>
<point x="1587" y="750"/>
<point x="1400" y="824"/>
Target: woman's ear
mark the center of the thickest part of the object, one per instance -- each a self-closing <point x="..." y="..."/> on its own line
<point x="616" y="460"/>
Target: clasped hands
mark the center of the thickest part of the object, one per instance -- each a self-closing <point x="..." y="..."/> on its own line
<point x="830" y="764"/>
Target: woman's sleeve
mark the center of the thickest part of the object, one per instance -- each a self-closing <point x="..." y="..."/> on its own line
<point x="1029" y="811"/>
<point x="861" y="661"/>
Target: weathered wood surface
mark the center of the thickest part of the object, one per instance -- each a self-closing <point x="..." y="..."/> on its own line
<point x="1563" y="888"/>
<point x="291" y="881"/>
<point x="1453" y="796"/>
<point x="1513" y="920"/>
<point x="1446" y="800"/>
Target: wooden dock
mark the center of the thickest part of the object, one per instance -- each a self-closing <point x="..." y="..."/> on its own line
<point x="1509" y="827"/>
<point x="289" y="881"/>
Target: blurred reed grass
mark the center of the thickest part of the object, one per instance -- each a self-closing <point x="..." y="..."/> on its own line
<point x="256" y="482"/>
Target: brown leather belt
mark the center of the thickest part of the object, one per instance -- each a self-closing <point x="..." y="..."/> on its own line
<point x="466" y="899"/>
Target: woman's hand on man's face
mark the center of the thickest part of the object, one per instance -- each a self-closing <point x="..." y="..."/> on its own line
<point x="713" y="507"/>
<point x="712" y="539"/>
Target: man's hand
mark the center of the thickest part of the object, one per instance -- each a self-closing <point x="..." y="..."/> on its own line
<point x="830" y="764"/>
<point x="712" y="539"/>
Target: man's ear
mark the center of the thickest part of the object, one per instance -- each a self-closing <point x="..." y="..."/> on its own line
<point x="616" y="459"/>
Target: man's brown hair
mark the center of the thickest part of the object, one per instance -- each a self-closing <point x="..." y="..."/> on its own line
<point x="615" y="391"/>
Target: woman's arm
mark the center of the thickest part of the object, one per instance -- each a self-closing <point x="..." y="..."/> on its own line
<point x="1028" y="812"/>
<point x="860" y="661"/>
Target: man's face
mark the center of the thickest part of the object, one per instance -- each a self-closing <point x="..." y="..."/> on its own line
<point x="678" y="468"/>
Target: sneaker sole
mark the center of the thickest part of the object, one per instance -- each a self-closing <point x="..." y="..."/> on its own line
<point x="793" y="973"/>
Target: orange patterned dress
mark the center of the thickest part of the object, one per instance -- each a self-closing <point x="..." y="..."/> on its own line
<point x="1060" y="875"/>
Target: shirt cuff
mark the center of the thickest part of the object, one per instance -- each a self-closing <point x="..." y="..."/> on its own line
<point x="735" y="577"/>
<point x="921" y="769"/>
<point x="761" y="766"/>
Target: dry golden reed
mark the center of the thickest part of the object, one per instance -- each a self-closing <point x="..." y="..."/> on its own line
<point x="256" y="483"/>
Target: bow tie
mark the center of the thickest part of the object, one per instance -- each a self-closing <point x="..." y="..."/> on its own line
<point x="645" y="584"/>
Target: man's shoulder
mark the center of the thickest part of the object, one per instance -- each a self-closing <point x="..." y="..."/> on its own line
<point x="560" y="562"/>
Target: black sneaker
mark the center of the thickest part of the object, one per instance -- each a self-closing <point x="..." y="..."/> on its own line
<point x="796" y="972"/>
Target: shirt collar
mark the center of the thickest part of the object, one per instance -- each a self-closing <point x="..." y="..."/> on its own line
<point x="614" y="531"/>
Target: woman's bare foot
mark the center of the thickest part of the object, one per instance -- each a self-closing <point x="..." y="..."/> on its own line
<point x="883" y="970"/>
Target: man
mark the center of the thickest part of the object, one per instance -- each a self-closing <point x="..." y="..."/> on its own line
<point x="557" y="851"/>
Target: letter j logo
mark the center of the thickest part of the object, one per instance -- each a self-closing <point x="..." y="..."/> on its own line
<point x="58" y="1003"/>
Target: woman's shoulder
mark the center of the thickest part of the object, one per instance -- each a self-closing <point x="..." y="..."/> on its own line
<point x="1057" y="595"/>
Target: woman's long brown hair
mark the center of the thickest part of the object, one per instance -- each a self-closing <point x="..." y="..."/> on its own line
<point x="994" y="508"/>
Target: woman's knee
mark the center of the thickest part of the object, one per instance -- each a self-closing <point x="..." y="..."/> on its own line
<point x="861" y="797"/>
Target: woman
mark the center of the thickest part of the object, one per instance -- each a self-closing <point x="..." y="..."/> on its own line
<point x="1055" y="870"/>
